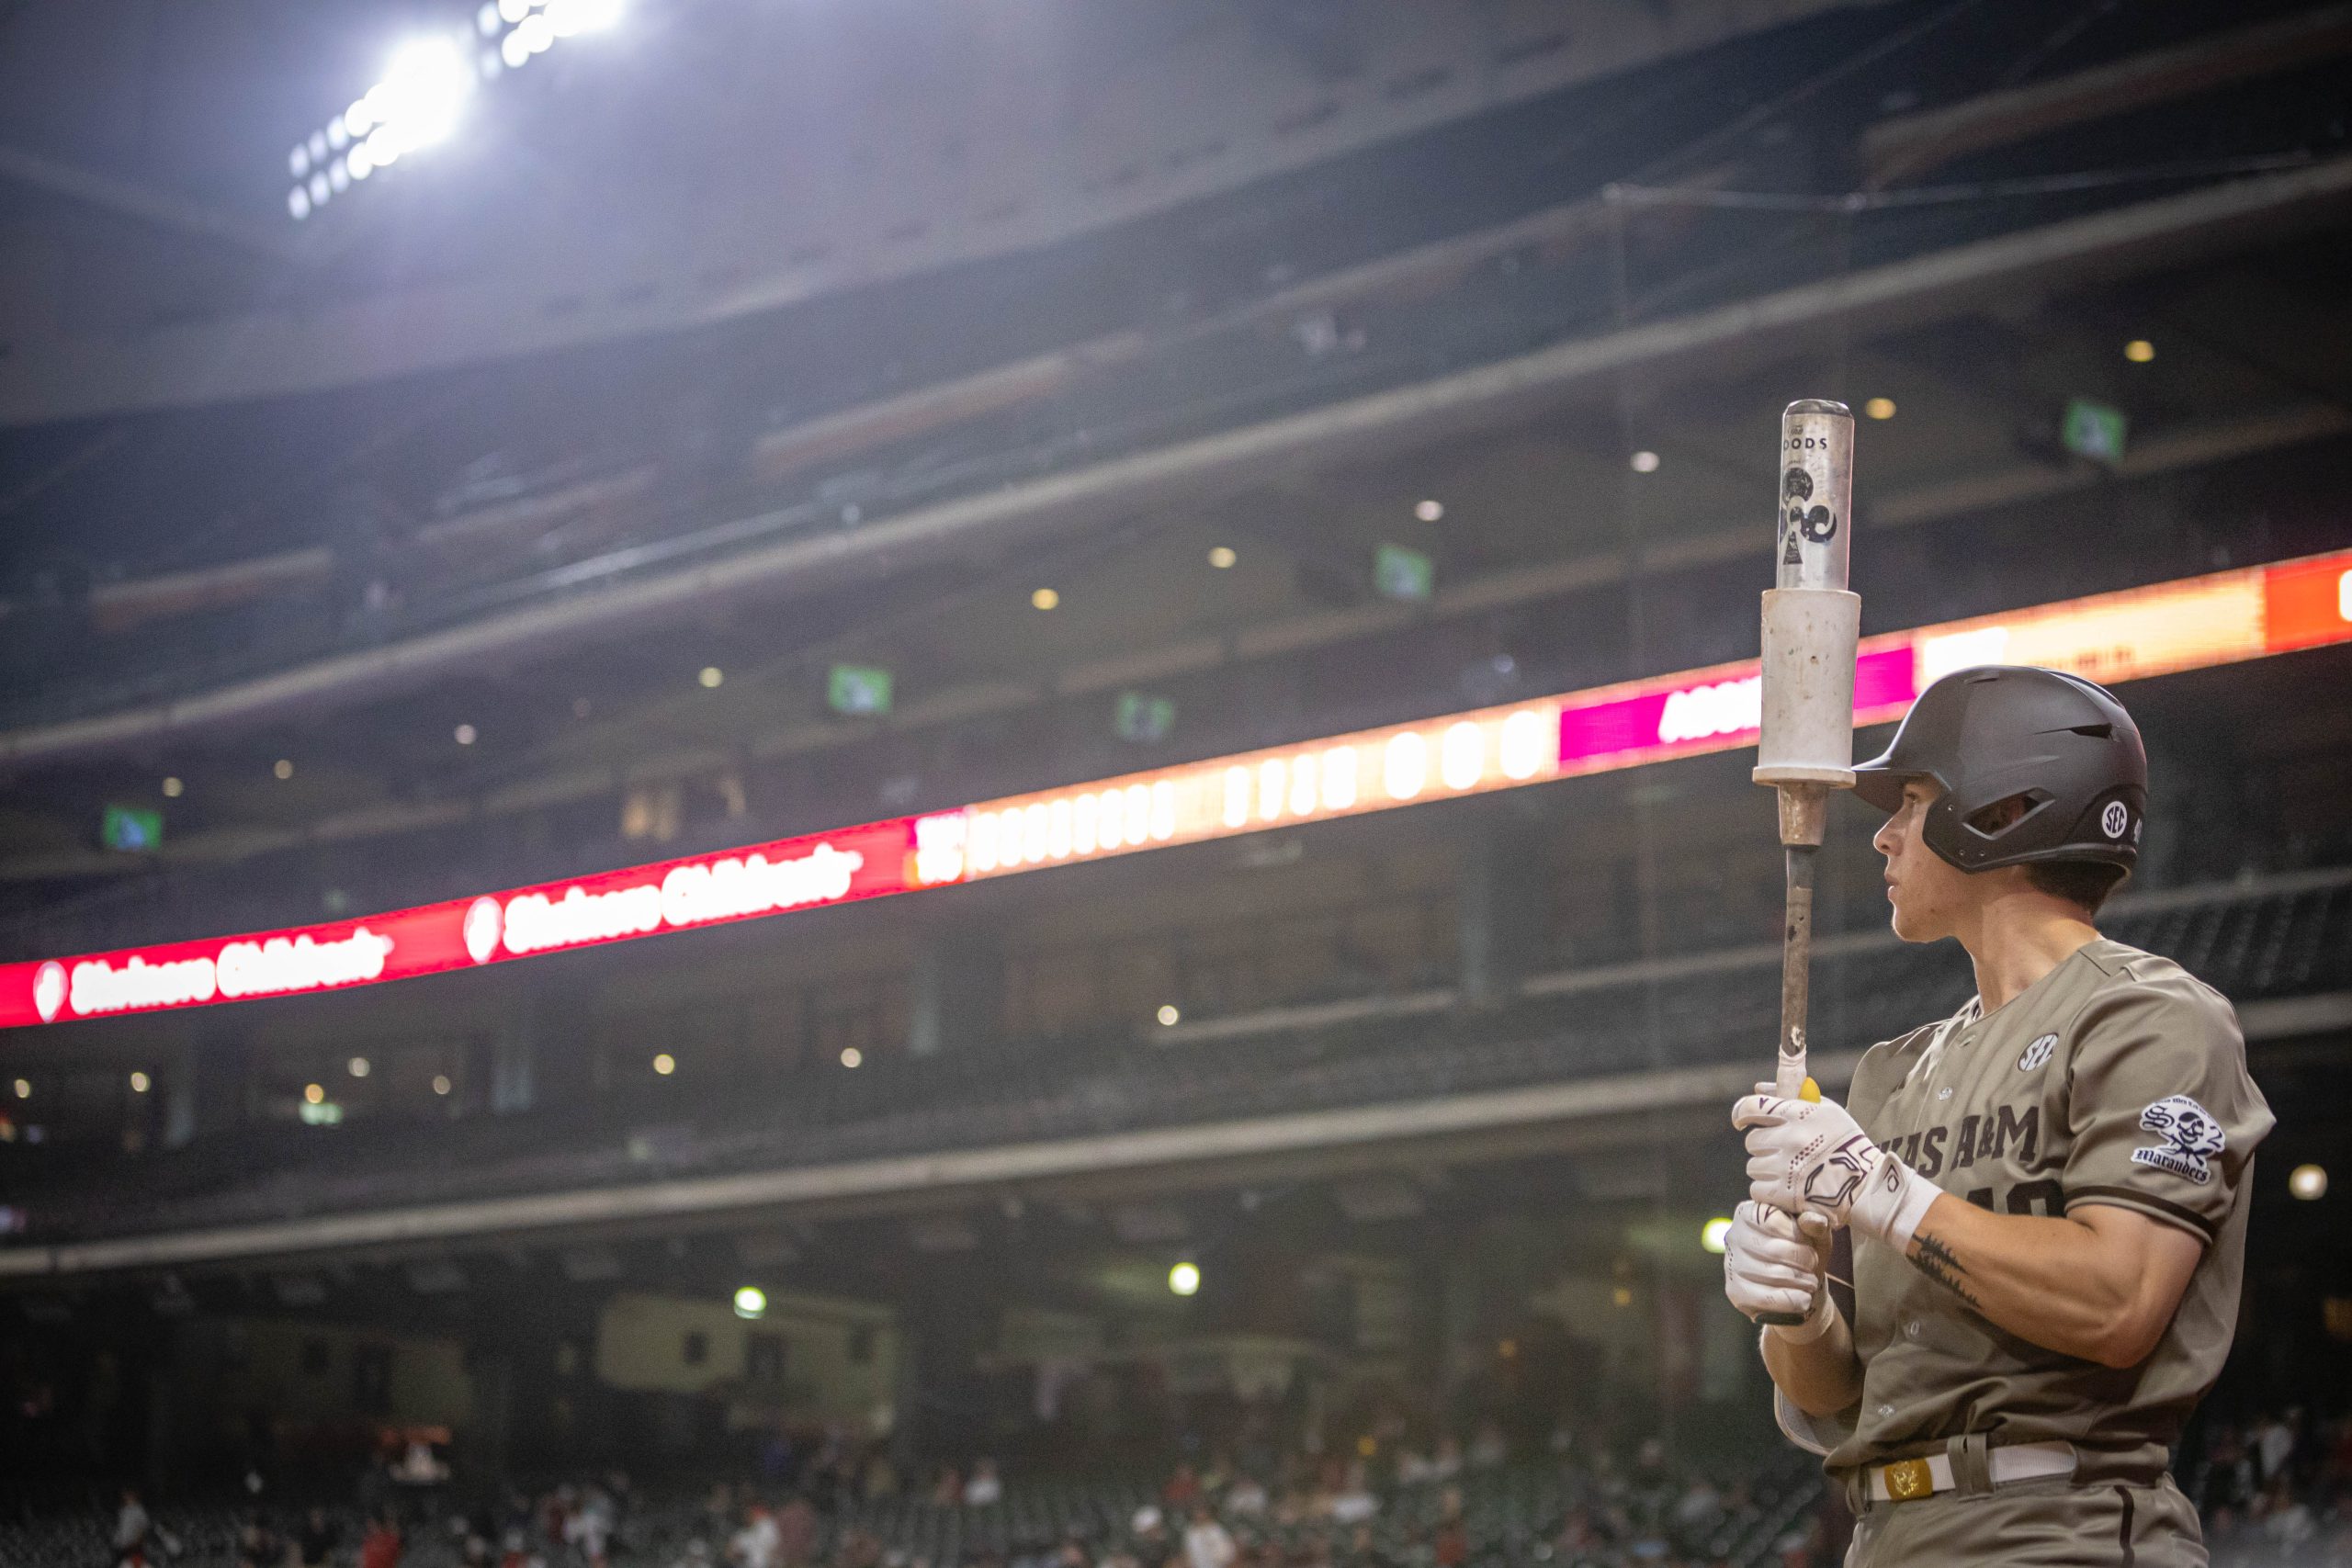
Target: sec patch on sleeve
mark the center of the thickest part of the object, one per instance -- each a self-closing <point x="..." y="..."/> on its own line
<point x="2192" y="1137"/>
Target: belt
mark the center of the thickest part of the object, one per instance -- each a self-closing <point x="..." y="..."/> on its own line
<point x="1908" y="1479"/>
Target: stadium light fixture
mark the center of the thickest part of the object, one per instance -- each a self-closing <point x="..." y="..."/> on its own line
<point x="2307" y="1183"/>
<point x="359" y="1066"/>
<point x="173" y="788"/>
<point x="283" y="768"/>
<point x="441" y="1083"/>
<point x="1222" y="556"/>
<point x="314" y="1094"/>
<point x="1712" y="1235"/>
<point x="711" y="676"/>
<point x="425" y="91"/>
<point x="1184" y="1279"/>
<point x="852" y="1056"/>
<point x="751" y="1302"/>
<point x="466" y="735"/>
<point x="665" y="1063"/>
<point x="1429" y="511"/>
<point x="2139" y="351"/>
<point x="1044" y="599"/>
<point x="24" y="1088"/>
<point x="1169" y="1015"/>
<point x="139" y="1083"/>
<point x="1879" y="408"/>
<point x="1646" y="461"/>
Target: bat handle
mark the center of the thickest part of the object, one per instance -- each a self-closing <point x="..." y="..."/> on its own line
<point x="1796" y="974"/>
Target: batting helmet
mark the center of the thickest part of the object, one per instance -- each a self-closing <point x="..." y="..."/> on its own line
<point x="2006" y="731"/>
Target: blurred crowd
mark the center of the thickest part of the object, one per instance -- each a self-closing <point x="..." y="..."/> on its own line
<point x="1453" y="1502"/>
<point x="2277" y="1490"/>
<point x="2275" y="1493"/>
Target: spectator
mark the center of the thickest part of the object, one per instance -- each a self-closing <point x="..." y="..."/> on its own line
<point x="1207" y="1544"/>
<point x="796" y="1531"/>
<point x="757" y="1543"/>
<point x="2274" y="1446"/>
<point x="130" y="1527"/>
<point x="380" y="1547"/>
<point x="315" y="1542"/>
<point x="257" y="1546"/>
<point x="1451" y="1546"/>
<point x="1487" y="1448"/>
<point x="1353" y="1503"/>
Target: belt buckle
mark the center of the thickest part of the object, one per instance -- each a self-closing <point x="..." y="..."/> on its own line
<point x="1910" y="1478"/>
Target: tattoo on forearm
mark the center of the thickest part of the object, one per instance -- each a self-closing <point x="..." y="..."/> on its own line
<point x="1935" y="1260"/>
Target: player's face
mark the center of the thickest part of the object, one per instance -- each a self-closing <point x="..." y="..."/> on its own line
<point x="1927" y="892"/>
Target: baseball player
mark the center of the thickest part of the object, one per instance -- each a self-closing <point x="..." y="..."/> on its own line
<point x="2045" y="1194"/>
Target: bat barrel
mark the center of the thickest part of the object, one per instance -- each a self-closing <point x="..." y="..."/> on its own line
<point x="1805" y="739"/>
<point x="1814" y="538"/>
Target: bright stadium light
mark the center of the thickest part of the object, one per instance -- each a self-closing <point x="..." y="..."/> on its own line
<point x="423" y="93"/>
<point x="1184" y="1279"/>
<point x="751" y="1302"/>
<point x="1712" y="1235"/>
<point x="423" y="97"/>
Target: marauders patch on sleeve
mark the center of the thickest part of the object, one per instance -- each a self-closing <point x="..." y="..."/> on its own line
<point x="2191" y="1138"/>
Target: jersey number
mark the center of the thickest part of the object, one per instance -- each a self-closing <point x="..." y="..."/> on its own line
<point x="2045" y="1198"/>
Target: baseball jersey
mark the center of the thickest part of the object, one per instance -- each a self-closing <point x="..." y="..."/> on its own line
<point x="2117" y="1078"/>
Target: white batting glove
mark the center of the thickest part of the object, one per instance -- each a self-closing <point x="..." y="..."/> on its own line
<point x="1811" y="1157"/>
<point x="1775" y="1262"/>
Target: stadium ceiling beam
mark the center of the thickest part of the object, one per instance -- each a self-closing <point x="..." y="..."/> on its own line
<point x="155" y="208"/>
<point x="1712" y="342"/>
<point x="1602" y="1102"/>
<point x="1912" y="144"/>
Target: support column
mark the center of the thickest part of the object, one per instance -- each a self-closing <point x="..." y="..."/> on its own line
<point x="959" y="991"/>
<point x="1503" y="904"/>
<point x="205" y="1086"/>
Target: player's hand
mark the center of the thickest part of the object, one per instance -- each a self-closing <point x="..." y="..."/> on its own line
<point x="1812" y="1157"/>
<point x="1776" y="1262"/>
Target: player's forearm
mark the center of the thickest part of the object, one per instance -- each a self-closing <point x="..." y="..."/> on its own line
<point x="1820" y="1375"/>
<point x="2062" y="1283"/>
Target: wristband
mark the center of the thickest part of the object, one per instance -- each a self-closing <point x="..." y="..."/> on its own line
<point x="1817" y="1319"/>
<point x="1893" y="1202"/>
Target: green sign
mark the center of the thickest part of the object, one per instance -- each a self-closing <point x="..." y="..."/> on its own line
<point x="131" y="828"/>
<point x="858" y="689"/>
<point x="1144" y="718"/>
<point x="2094" y="431"/>
<point x="1403" y="574"/>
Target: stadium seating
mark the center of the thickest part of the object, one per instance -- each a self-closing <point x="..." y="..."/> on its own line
<point x="2293" y="939"/>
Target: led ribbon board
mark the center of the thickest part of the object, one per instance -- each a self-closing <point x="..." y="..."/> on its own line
<point x="2197" y="623"/>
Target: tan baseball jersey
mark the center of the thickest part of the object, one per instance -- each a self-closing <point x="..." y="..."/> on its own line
<point x="2117" y="1078"/>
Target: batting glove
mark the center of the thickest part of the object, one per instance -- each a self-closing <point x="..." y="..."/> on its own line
<point x="1774" y="1262"/>
<point x="1812" y="1157"/>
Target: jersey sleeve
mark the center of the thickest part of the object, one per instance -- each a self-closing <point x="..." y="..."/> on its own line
<point x="2164" y="1115"/>
<point x="1821" y="1435"/>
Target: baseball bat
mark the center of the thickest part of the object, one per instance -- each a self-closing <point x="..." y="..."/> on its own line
<point x="1804" y="744"/>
